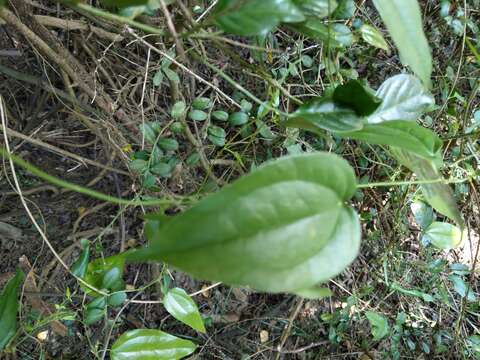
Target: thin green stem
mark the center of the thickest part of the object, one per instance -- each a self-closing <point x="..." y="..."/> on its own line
<point x="116" y="18"/>
<point x="418" y="182"/>
<point x="80" y="189"/>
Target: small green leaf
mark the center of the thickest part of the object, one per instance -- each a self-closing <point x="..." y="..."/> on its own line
<point x="105" y="273"/>
<point x="95" y="310"/>
<point x="193" y="159"/>
<point x="178" y="109"/>
<point x="216" y="135"/>
<point x="255" y="17"/>
<point x="146" y="344"/>
<point x="162" y="169"/>
<point x="138" y="165"/>
<point x="403" y="98"/>
<point x="291" y="230"/>
<point x="201" y="103"/>
<point x="149" y="131"/>
<point x="158" y="78"/>
<point x="316" y="8"/>
<point x="345" y="9"/>
<point x="183" y="308"/>
<point x="9" y="308"/>
<point x="171" y="75"/>
<point x="197" y="115"/>
<point x="334" y="35"/>
<point x="422" y="213"/>
<point x="443" y="235"/>
<point x="325" y="114"/>
<point x="404" y="23"/>
<point x="238" y="118"/>
<point x="246" y="106"/>
<point x="168" y="144"/>
<point x="117" y="299"/>
<point x="148" y="180"/>
<point x="79" y="268"/>
<point x="220" y="115"/>
<point x="354" y="95"/>
<point x="462" y="288"/>
<point x="373" y="37"/>
<point x="124" y="3"/>
<point x="379" y="324"/>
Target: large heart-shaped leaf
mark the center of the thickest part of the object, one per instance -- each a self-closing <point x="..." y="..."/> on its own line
<point x="316" y="8"/>
<point x="403" y="134"/>
<point x="146" y="344"/>
<point x="255" y="17"/>
<point x="404" y="22"/>
<point x="325" y="114"/>
<point x="272" y="230"/>
<point x="9" y="309"/>
<point x="403" y="98"/>
<point x="183" y="308"/>
<point x="438" y="195"/>
<point x="354" y="95"/>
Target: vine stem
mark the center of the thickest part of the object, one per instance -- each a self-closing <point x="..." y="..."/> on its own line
<point x="80" y="189"/>
<point x="418" y="182"/>
<point x="115" y="18"/>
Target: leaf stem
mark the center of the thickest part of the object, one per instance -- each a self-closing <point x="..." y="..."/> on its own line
<point x="418" y="182"/>
<point x="80" y="189"/>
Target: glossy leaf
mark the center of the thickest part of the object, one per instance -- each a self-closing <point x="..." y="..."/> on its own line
<point x="281" y="228"/>
<point x="355" y="96"/>
<point x="95" y="310"/>
<point x="255" y="17"/>
<point x="422" y="213"/>
<point x="345" y="9"/>
<point x="79" y="268"/>
<point x="438" y="195"/>
<point x="106" y="274"/>
<point x="444" y="236"/>
<point x="462" y="288"/>
<point x="403" y="98"/>
<point x="197" y="115"/>
<point x="146" y="344"/>
<point x="325" y="114"/>
<point x="404" y="23"/>
<point x="403" y="134"/>
<point x="9" y="308"/>
<point x="220" y="115"/>
<point x="238" y="118"/>
<point x="183" y="308"/>
<point x="316" y="8"/>
<point x="373" y="37"/>
<point x="333" y="35"/>
<point x="379" y="324"/>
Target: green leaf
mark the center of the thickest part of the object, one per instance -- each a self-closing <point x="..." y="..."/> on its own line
<point x="403" y="98"/>
<point x="193" y="159"/>
<point x="168" y="144"/>
<point x="117" y="299"/>
<point x="314" y="293"/>
<point x="443" y="235"/>
<point x="316" y="8"/>
<point x="238" y="118"/>
<point x="216" y="135"/>
<point x="149" y="132"/>
<point x="183" y="308"/>
<point x="281" y="228"/>
<point x="345" y="9"/>
<point x="373" y="37"/>
<point x="402" y="134"/>
<point x="404" y="23"/>
<point x="422" y="213"/>
<point x="334" y="35"/>
<point x="171" y="75"/>
<point x="201" y="103"/>
<point x="379" y="324"/>
<point x="105" y="273"/>
<point x="178" y="109"/>
<point x="95" y="310"/>
<point x="158" y="78"/>
<point x="324" y="114"/>
<point x="255" y="17"/>
<point x="197" y="115"/>
<point x="462" y="288"/>
<point x="124" y="3"/>
<point x="162" y="169"/>
<point x="354" y="95"/>
<point x="220" y="115"/>
<point x="79" y="268"/>
<point x="9" y="308"/>
<point x="138" y="165"/>
<point x="438" y="195"/>
<point x="146" y="344"/>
